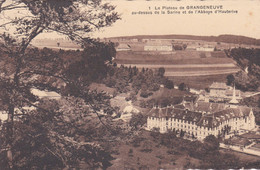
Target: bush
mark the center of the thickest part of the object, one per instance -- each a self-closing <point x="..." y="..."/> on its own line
<point x="145" y="94"/>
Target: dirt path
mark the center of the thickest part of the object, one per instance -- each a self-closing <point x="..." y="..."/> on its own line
<point x="200" y="73"/>
<point x="228" y="65"/>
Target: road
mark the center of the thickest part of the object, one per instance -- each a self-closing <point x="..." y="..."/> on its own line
<point x="239" y="149"/>
<point x="200" y="73"/>
<point x="228" y="65"/>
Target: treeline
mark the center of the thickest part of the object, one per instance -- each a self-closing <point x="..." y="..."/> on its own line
<point x="145" y="81"/>
<point x="249" y="61"/>
<point x="62" y="71"/>
<point x="221" y="38"/>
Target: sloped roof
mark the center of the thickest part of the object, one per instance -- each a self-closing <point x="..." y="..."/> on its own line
<point x="155" y="43"/>
<point x="123" y="46"/>
<point x="160" y="112"/>
<point x="208" y="114"/>
<point x="218" y="85"/>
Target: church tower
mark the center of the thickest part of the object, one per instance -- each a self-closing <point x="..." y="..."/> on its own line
<point x="233" y="102"/>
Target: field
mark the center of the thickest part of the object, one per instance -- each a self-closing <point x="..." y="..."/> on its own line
<point x="149" y="155"/>
<point x="242" y="156"/>
<point x="195" y="68"/>
<point x="178" y="57"/>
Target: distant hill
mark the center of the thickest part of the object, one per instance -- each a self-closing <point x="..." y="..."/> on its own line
<point x="236" y="39"/>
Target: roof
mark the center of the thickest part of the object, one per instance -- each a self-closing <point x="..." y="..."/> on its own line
<point x="204" y="114"/>
<point x="48" y="94"/>
<point x="130" y="108"/>
<point x="160" y="112"/>
<point x="218" y="85"/>
<point x="205" y="106"/>
<point x="230" y="92"/>
<point x="123" y="46"/>
<point x="155" y="43"/>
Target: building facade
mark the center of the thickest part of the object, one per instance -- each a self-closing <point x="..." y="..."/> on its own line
<point x="202" y="119"/>
<point x="158" y="46"/>
<point x="220" y="92"/>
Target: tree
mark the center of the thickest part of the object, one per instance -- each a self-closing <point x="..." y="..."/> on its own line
<point x="183" y="87"/>
<point x="72" y="18"/>
<point x="137" y="120"/>
<point x="161" y="72"/>
<point x="169" y="84"/>
<point x="211" y="143"/>
<point x="230" y="80"/>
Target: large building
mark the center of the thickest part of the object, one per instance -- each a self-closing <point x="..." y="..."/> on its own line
<point x="158" y="46"/>
<point x="220" y="92"/>
<point x="201" y="119"/>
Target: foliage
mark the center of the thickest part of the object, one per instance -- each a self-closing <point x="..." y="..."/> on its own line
<point x="56" y="136"/>
<point x="146" y="81"/>
<point x="211" y="143"/>
<point x="230" y="80"/>
<point x="46" y="70"/>
<point x="248" y="60"/>
<point x="183" y="87"/>
<point x="169" y="84"/>
<point x="137" y="120"/>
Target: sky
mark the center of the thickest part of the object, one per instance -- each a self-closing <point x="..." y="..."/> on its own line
<point x="246" y="22"/>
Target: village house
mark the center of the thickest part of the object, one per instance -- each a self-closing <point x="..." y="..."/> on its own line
<point x="201" y="119"/>
<point x="123" y="47"/>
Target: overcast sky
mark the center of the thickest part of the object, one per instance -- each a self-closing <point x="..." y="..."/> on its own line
<point x="246" y="22"/>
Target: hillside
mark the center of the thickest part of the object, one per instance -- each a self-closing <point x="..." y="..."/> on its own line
<point x="226" y="38"/>
<point x="249" y="61"/>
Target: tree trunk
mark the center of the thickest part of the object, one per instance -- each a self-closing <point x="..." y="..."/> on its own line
<point x="9" y="136"/>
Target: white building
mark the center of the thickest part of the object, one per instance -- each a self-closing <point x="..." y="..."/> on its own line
<point x="207" y="49"/>
<point x="158" y="46"/>
<point x="220" y="92"/>
<point x="128" y="111"/>
<point x="202" y="119"/>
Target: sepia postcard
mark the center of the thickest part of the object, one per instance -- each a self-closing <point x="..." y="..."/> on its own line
<point x="129" y="84"/>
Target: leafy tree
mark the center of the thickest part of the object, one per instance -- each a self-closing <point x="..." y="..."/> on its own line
<point x="211" y="143"/>
<point x="72" y="18"/>
<point x="230" y="80"/>
<point x="183" y="87"/>
<point x="161" y="72"/>
<point x="137" y="120"/>
<point x="169" y="84"/>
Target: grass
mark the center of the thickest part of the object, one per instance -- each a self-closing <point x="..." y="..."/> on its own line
<point x="102" y="88"/>
<point x="157" y="158"/>
<point x="161" y="60"/>
<point x="213" y="68"/>
<point x="242" y="156"/>
<point x="199" y="69"/>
